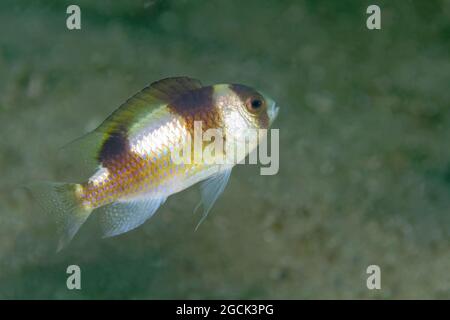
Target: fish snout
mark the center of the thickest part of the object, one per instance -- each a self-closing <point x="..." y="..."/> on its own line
<point x="272" y="111"/>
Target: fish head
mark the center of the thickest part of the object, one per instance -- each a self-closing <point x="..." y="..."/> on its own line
<point x="256" y="108"/>
<point x="244" y="111"/>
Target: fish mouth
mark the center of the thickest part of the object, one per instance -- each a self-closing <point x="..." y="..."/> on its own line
<point x="273" y="111"/>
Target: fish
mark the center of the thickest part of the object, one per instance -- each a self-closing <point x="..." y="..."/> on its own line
<point x="130" y="154"/>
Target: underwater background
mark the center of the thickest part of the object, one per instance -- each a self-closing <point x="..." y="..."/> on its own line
<point x="364" y="148"/>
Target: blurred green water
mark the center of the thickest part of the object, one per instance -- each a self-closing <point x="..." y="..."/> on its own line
<point x="364" y="148"/>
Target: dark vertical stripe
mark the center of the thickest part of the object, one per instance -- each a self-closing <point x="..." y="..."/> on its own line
<point x="115" y="146"/>
<point x="197" y="105"/>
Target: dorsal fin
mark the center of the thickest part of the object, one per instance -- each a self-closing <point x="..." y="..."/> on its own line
<point x="165" y="90"/>
<point x="170" y="88"/>
<point x="157" y="93"/>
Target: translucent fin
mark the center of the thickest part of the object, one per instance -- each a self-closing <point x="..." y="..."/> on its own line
<point x="120" y="217"/>
<point x="81" y="155"/>
<point x="151" y="97"/>
<point x="60" y="200"/>
<point x="210" y="190"/>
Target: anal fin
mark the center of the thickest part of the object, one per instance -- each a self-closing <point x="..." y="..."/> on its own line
<point x="123" y="216"/>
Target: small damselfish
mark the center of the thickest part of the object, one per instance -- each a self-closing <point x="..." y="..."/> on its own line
<point x="133" y="171"/>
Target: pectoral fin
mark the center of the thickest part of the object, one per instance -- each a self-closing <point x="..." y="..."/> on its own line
<point x="210" y="190"/>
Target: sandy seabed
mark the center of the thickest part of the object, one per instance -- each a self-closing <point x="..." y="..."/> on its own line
<point x="364" y="148"/>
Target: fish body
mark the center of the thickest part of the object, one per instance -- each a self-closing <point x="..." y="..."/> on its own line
<point x="132" y="152"/>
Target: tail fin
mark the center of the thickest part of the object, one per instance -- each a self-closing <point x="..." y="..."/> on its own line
<point x="60" y="200"/>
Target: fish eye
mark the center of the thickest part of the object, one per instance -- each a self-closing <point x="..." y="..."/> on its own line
<point x="254" y="104"/>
